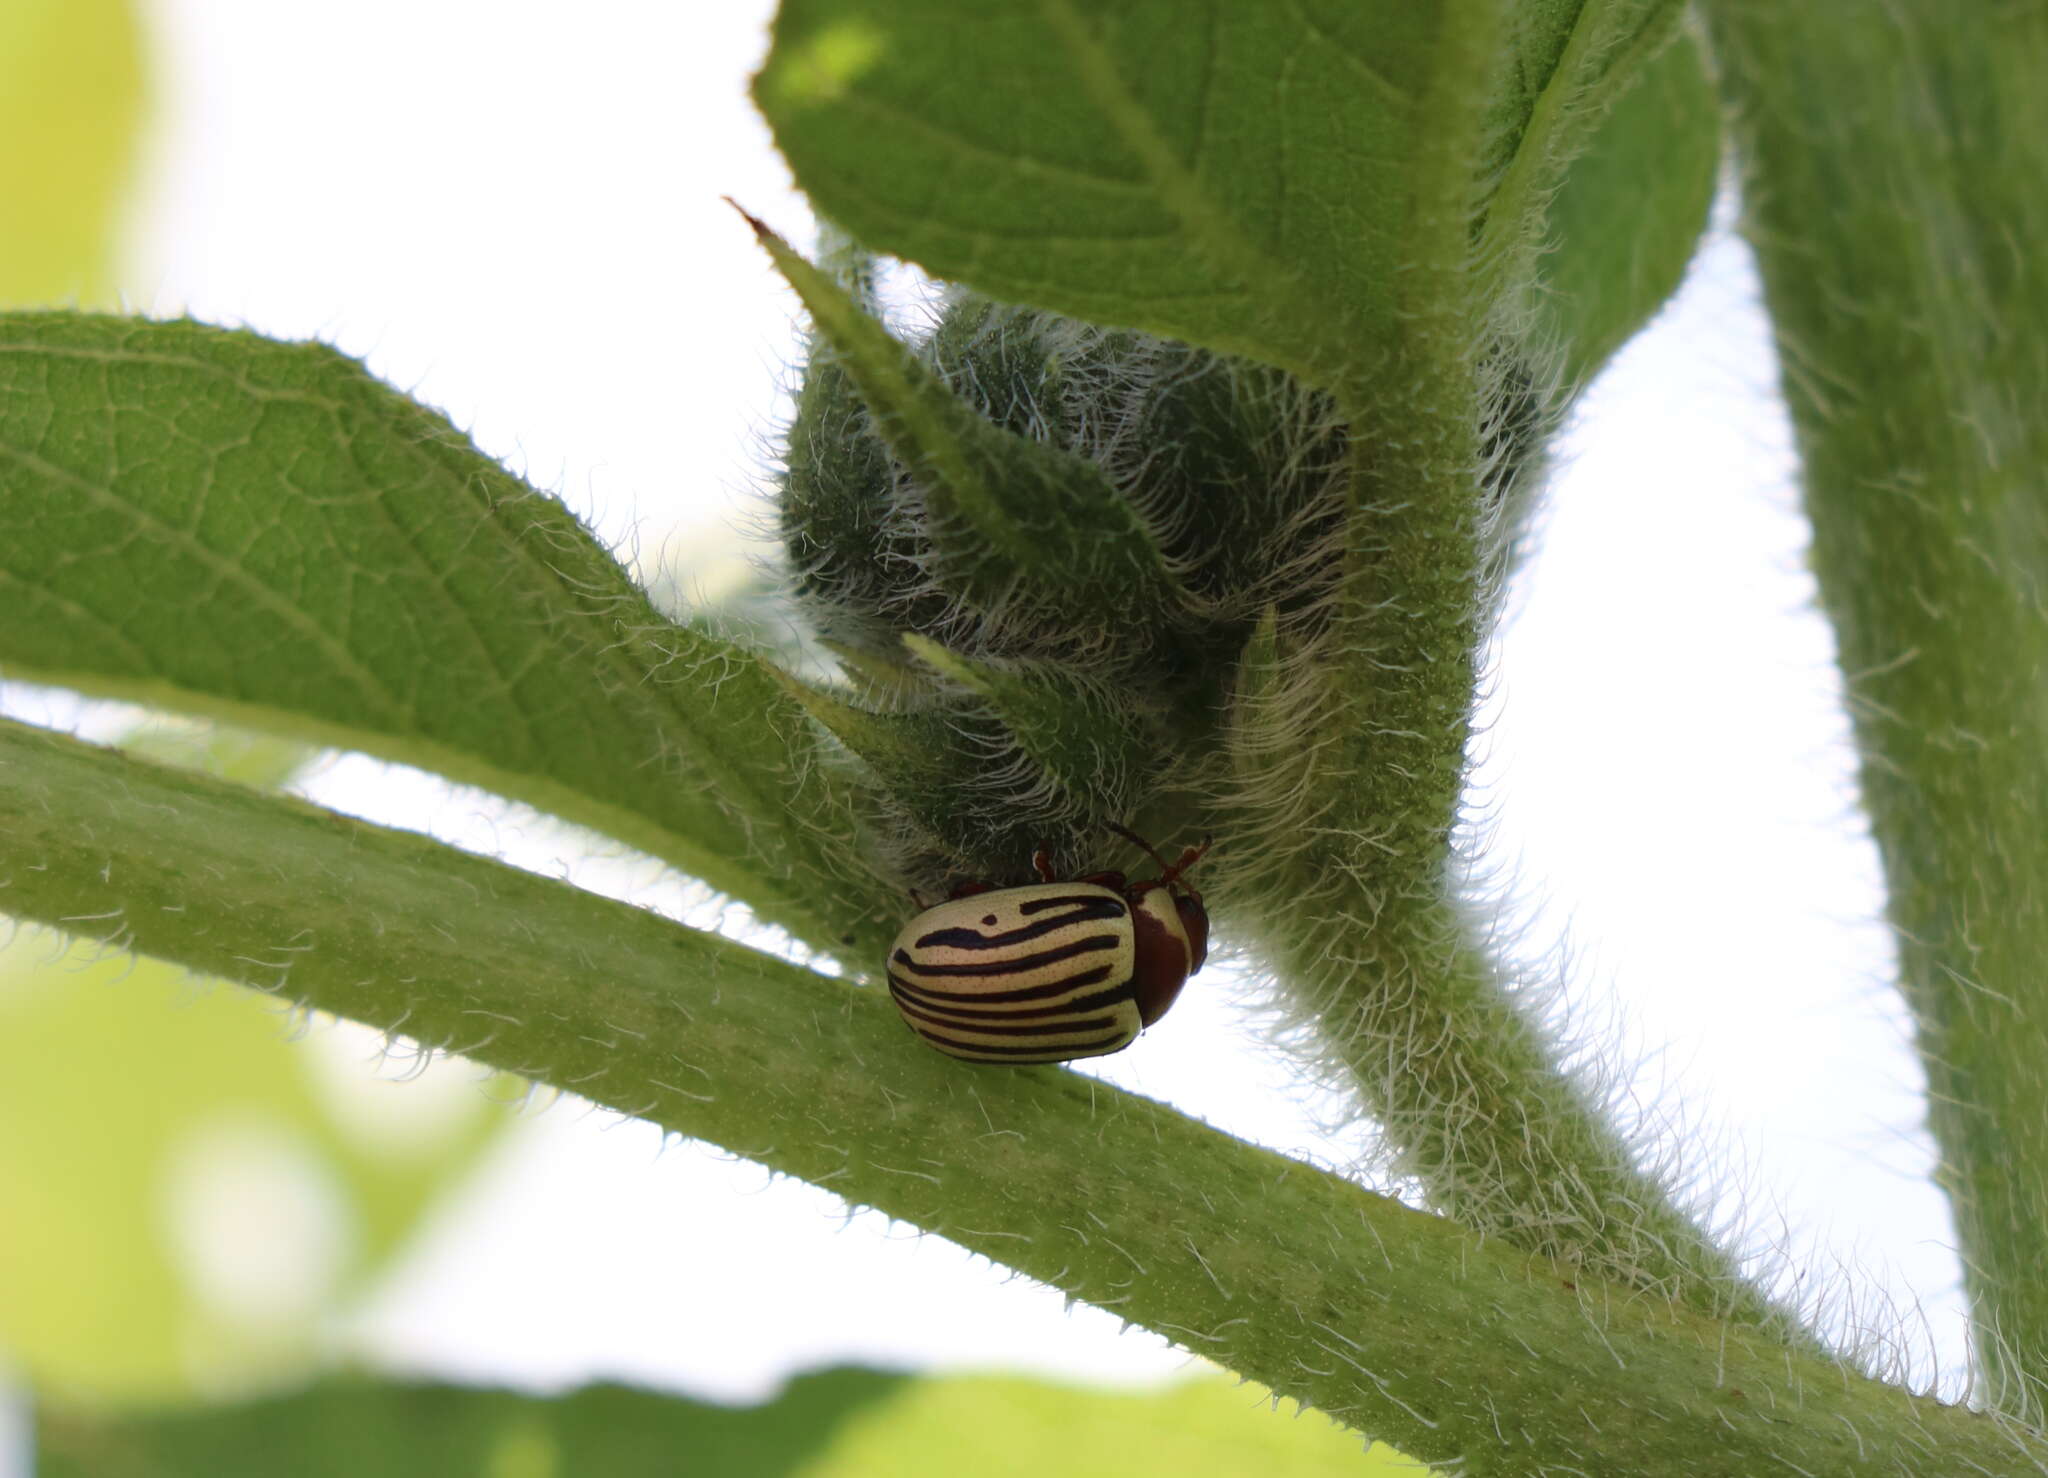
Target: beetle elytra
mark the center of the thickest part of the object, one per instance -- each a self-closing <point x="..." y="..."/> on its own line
<point x="1053" y="970"/>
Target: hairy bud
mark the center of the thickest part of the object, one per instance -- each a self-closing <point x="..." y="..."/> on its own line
<point x="1040" y="547"/>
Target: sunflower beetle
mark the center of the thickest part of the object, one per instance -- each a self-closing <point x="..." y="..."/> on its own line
<point x="1053" y="970"/>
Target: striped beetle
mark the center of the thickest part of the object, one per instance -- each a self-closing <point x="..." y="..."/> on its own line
<point x="1053" y="970"/>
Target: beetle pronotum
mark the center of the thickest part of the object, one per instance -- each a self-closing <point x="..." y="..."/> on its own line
<point x="1053" y="970"/>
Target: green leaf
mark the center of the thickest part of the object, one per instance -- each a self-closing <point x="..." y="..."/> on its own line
<point x="1626" y="220"/>
<point x="1423" y="1333"/>
<point x="903" y="746"/>
<point x="841" y="1423"/>
<point x="915" y="752"/>
<point x="1251" y="179"/>
<point x="1895" y="183"/>
<point x="209" y="521"/>
<point x="1567" y="62"/>
<point x="1013" y="521"/>
<point x="71" y="109"/>
<point x="350" y="1427"/>
<point x="127" y="1092"/>
<point x="884" y="680"/>
<point x="1080" y="738"/>
<point x="1232" y="176"/>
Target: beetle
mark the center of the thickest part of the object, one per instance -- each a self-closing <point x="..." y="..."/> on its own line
<point x="1053" y="970"/>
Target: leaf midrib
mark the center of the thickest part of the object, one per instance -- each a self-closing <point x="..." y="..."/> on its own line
<point x="1203" y="218"/>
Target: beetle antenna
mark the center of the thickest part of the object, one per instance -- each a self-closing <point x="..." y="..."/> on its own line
<point x="1139" y="842"/>
<point x="1188" y="857"/>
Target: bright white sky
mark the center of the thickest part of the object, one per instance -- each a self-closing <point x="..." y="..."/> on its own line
<point x="512" y="209"/>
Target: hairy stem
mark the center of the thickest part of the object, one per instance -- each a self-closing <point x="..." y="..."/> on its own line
<point x="1349" y="750"/>
<point x="1456" y="1347"/>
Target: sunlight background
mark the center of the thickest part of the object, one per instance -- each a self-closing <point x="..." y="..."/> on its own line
<point x="514" y="214"/>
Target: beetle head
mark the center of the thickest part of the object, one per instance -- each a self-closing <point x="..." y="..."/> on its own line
<point x="1187" y="901"/>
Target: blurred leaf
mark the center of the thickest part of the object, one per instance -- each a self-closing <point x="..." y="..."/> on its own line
<point x="1631" y="209"/>
<point x="71" y="108"/>
<point x="348" y="1428"/>
<point x="131" y="1095"/>
<point x="233" y="754"/>
<point x="1011" y="1427"/>
<point x="842" y="1423"/>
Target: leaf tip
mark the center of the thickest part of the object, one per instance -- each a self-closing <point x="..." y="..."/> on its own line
<point x="763" y="232"/>
<point x="937" y="657"/>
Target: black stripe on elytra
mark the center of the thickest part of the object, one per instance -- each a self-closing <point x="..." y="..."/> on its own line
<point x="899" y="986"/>
<point x="1027" y="1054"/>
<point x="1093" y="944"/>
<point x="969" y="938"/>
<point x="941" y="1025"/>
<point x="1096" y="1001"/>
<point x="1087" y="905"/>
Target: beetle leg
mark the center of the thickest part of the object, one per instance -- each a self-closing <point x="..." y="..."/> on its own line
<point x="1041" y="863"/>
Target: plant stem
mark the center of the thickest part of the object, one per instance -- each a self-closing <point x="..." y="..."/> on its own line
<point x="1455" y="1346"/>
<point x="1349" y="753"/>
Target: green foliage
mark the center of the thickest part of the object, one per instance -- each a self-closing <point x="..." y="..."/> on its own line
<point x="1624" y="221"/>
<point x="1185" y="155"/>
<point x="843" y="1423"/>
<point x="1129" y="508"/>
<point x="71" y="101"/>
<point x="121" y="1086"/>
<point x="348" y="1427"/>
<point x="1119" y="125"/>
<point x="124" y="1084"/>
<point x="214" y="522"/>
<point x="1899" y="158"/>
<point x="1235" y="580"/>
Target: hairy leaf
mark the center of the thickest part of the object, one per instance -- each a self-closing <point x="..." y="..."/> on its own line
<point x="1083" y="741"/>
<point x="1896" y="179"/>
<point x="209" y="521"/>
<point x="1243" y="178"/>
<point x="1625" y="222"/>
<point x="1229" y="176"/>
<point x="1013" y="521"/>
